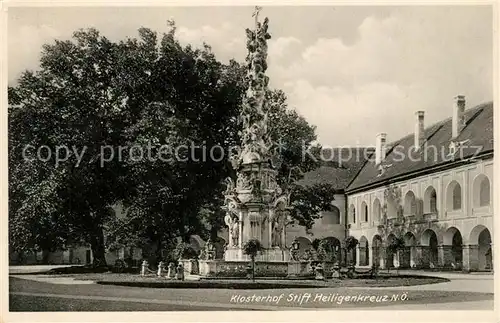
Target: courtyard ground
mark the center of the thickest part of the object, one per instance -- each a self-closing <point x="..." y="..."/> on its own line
<point x="42" y="293"/>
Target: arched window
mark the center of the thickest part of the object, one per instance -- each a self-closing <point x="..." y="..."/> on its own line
<point x="364" y="212"/>
<point x="457" y="198"/>
<point x="332" y="217"/>
<point x="430" y="200"/>
<point x="484" y="192"/>
<point x="376" y="210"/>
<point x="352" y="213"/>
<point x="481" y="191"/>
<point x="454" y="196"/>
<point x="410" y="206"/>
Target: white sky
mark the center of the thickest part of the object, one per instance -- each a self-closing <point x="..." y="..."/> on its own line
<point x="351" y="71"/>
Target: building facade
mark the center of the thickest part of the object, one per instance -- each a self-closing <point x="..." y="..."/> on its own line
<point x="431" y="191"/>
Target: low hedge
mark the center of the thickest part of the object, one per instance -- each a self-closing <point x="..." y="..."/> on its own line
<point x="91" y="270"/>
<point x="228" y="284"/>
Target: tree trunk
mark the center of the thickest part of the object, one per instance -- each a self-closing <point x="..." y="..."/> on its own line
<point x="45" y="256"/>
<point x="158" y="254"/>
<point x="214" y="234"/>
<point x="97" y="246"/>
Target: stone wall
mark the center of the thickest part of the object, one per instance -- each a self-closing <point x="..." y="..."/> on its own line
<point x="220" y="268"/>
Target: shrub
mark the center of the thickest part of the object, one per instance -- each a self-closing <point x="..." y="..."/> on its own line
<point x="252" y="247"/>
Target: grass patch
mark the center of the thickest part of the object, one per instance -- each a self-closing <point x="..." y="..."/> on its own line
<point x="90" y="270"/>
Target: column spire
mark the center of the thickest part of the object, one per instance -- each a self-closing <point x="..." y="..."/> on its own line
<point x="256" y="15"/>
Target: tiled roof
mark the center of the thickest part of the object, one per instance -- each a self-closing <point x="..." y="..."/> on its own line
<point x="476" y="139"/>
<point x="339" y="168"/>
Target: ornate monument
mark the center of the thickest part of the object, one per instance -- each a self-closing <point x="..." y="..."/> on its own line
<point x="254" y="203"/>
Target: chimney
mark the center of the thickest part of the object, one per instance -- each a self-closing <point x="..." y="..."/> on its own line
<point x="458" y="115"/>
<point x="419" y="129"/>
<point x="380" y="148"/>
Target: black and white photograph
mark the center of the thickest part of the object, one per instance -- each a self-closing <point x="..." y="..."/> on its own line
<point x="265" y="157"/>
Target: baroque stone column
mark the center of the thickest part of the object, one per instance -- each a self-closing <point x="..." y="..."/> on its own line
<point x="254" y="195"/>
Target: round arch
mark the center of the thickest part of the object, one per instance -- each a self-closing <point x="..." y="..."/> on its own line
<point x="352" y="213"/>
<point x="430" y="200"/>
<point x="364" y="212"/>
<point x="449" y="234"/>
<point x="409" y="239"/>
<point x="481" y="236"/>
<point x="410" y="204"/>
<point x="427" y="236"/>
<point x="408" y="254"/>
<point x="481" y="191"/>
<point x="475" y="232"/>
<point x="429" y="239"/>
<point x="454" y="196"/>
<point x="453" y="238"/>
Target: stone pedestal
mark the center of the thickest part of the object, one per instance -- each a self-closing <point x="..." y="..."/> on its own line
<point x="190" y="266"/>
<point x="208" y="268"/>
<point x="268" y="255"/>
<point x="160" y="269"/>
<point x="179" y="275"/>
<point x="336" y="271"/>
<point x="319" y="272"/>
<point x="171" y="271"/>
<point x="298" y="269"/>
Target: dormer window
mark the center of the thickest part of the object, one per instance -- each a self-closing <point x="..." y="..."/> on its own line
<point x="381" y="169"/>
<point x="452" y="149"/>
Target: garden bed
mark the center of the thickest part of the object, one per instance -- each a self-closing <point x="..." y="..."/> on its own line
<point x="260" y="283"/>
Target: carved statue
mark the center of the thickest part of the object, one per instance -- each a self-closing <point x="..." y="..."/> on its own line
<point x="230" y="187"/>
<point x="235" y="232"/>
<point x="278" y="225"/>
<point x="209" y="250"/>
<point x="243" y="182"/>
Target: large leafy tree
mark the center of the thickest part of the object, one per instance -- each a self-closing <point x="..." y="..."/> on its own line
<point x="72" y="107"/>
